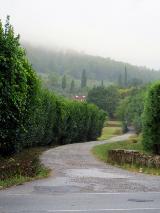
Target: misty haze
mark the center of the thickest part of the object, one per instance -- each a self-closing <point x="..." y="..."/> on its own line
<point x="79" y="106"/>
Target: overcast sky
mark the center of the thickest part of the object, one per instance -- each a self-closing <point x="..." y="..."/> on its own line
<point x="126" y="30"/>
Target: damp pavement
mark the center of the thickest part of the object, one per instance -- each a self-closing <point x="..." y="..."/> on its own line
<point x="81" y="183"/>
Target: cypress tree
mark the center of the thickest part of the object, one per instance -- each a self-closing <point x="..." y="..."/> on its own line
<point x="83" y="79"/>
<point x="102" y="84"/>
<point x="72" y="88"/>
<point x="125" y="77"/>
<point x="120" y="80"/>
<point x="64" y="82"/>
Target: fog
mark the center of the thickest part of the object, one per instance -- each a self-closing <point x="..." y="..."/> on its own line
<point x="125" y="30"/>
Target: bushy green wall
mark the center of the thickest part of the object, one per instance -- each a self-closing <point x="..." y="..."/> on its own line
<point x="32" y="116"/>
<point x="151" y="119"/>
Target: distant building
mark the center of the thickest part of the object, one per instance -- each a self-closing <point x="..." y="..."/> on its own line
<point x="80" y="98"/>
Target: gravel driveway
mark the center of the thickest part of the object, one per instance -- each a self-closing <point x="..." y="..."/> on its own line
<point x="75" y="169"/>
<point x="81" y="183"/>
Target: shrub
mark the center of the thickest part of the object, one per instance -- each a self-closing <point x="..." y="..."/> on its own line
<point x="17" y="89"/>
<point x="32" y="116"/>
<point x="151" y="119"/>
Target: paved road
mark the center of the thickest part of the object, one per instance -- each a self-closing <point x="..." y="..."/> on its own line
<point x="80" y="183"/>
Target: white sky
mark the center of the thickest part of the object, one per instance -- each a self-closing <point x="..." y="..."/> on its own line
<point x="126" y="30"/>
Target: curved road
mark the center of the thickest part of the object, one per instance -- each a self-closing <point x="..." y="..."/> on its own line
<point x="81" y="183"/>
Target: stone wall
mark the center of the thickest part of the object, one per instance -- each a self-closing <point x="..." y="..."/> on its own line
<point x="120" y="157"/>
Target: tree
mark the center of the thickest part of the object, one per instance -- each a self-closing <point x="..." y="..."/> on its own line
<point x="105" y="98"/>
<point x="151" y="119"/>
<point x="112" y="100"/>
<point x="97" y="96"/>
<point x="102" y="83"/>
<point x="131" y="108"/>
<point x="120" y="80"/>
<point x="135" y="82"/>
<point x="72" y="87"/>
<point x="52" y="81"/>
<point x="64" y="82"/>
<point x="125" y="77"/>
<point x="17" y="89"/>
<point x="83" y="79"/>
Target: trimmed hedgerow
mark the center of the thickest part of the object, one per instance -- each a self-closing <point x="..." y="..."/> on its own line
<point x="151" y="119"/>
<point x="32" y="116"/>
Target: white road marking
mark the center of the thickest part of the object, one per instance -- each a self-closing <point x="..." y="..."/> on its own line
<point x="87" y="193"/>
<point x="18" y="194"/>
<point x="94" y="210"/>
<point x="115" y="193"/>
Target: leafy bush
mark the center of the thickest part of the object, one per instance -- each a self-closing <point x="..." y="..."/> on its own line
<point x="24" y="164"/>
<point x="131" y="108"/>
<point x="151" y="119"/>
<point x="31" y="115"/>
<point x="106" y="98"/>
<point x="17" y="89"/>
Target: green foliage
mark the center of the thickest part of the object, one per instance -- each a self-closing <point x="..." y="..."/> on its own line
<point x="31" y="115"/>
<point x="83" y="79"/>
<point x="98" y="68"/>
<point x="101" y="152"/>
<point x="125" y="78"/>
<point x="72" y="88"/>
<point x="151" y="119"/>
<point x="64" y="82"/>
<point x="105" y="98"/>
<point x="131" y="108"/>
<point x="22" y="167"/>
<point x="17" y="88"/>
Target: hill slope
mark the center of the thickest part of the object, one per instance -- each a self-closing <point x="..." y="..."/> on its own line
<point x="72" y="63"/>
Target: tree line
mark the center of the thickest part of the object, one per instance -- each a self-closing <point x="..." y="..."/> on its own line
<point x="138" y="106"/>
<point x="31" y="115"/>
<point x="72" y="83"/>
<point x="71" y="64"/>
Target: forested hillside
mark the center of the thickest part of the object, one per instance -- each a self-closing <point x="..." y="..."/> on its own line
<point x="97" y="68"/>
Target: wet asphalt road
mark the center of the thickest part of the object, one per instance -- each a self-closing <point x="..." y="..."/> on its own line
<point x="80" y="183"/>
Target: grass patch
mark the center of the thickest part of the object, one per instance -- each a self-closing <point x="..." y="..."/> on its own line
<point x="22" y="167"/>
<point x="145" y="170"/>
<point x="101" y="152"/>
<point x="112" y="128"/>
<point x="114" y="123"/>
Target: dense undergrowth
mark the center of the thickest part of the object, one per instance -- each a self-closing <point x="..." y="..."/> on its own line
<point x="22" y="167"/>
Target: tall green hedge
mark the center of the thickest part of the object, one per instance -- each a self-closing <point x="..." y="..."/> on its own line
<point x="17" y="88"/>
<point x="151" y="119"/>
<point x="32" y="116"/>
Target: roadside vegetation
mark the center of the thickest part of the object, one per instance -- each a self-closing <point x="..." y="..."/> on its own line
<point x="101" y="151"/>
<point x="32" y="116"/>
<point x="138" y="107"/>
<point x="134" y="143"/>
<point x="111" y="128"/>
<point x="19" y="168"/>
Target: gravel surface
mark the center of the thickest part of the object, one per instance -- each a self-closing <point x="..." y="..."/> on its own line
<point x="75" y="169"/>
<point x="81" y="183"/>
